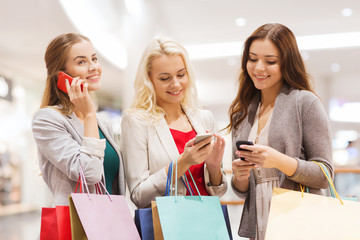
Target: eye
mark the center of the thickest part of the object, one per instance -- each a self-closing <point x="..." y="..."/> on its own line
<point x="94" y="59"/>
<point x="81" y="62"/>
<point x="181" y="75"/>
<point x="252" y="59"/>
<point x="164" y="78"/>
<point x="271" y="62"/>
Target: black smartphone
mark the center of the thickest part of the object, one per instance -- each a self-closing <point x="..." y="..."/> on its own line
<point x="239" y="143"/>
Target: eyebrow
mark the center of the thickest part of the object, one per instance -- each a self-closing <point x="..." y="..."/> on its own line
<point x="265" y="55"/>
<point x="83" y="56"/>
<point x="176" y="72"/>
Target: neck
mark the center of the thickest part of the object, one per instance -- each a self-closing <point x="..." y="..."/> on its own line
<point x="173" y="111"/>
<point x="268" y="97"/>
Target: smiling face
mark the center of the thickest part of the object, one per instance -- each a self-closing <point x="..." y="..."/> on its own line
<point x="170" y="80"/>
<point x="264" y="65"/>
<point x="82" y="62"/>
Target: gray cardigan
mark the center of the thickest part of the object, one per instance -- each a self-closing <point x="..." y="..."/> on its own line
<point x="62" y="148"/>
<point x="300" y="129"/>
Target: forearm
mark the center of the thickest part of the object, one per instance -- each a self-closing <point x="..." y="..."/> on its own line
<point x="286" y="164"/>
<point x="91" y="126"/>
<point x="182" y="167"/>
<point x="241" y="185"/>
<point x="215" y="175"/>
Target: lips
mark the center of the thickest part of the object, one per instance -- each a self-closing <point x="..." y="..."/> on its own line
<point x="93" y="78"/>
<point x="175" y="93"/>
<point x="261" y="77"/>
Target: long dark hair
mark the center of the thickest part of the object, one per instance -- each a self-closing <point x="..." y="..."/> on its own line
<point x="291" y="65"/>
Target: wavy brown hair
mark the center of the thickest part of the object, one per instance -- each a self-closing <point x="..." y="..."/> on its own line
<point x="292" y="68"/>
<point x="55" y="58"/>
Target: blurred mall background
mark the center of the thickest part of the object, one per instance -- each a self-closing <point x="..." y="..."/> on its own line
<point x="328" y="34"/>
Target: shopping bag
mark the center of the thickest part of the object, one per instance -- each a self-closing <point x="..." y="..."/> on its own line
<point x="55" y="223"/>
<point x="102" y="216"/>
<point x="144" y="223"/>
<point x="156" y="222"/>
<point x="190" y="217"/>
<point x="299" y="215"/>
<point x="157" y="226"/>
<point x="311" y="217"/>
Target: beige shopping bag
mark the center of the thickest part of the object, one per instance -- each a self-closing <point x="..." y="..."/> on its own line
<point x="158" y="235"/>
<point x="311" y="217"/>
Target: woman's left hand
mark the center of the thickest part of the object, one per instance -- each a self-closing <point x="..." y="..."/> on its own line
<point x="216" y="156"/>
<point x="260" y="155"/>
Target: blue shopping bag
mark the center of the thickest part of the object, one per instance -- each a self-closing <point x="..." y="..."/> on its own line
<point x="144" y="223"/>
<point x="191" y="217"/>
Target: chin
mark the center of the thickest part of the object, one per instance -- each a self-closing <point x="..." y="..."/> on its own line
<point x="94" y="87"/>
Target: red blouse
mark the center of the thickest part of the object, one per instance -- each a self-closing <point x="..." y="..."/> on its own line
<point x="197" y="171"/>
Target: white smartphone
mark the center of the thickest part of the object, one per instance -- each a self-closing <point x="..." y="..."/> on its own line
<point x="200" y="137"/>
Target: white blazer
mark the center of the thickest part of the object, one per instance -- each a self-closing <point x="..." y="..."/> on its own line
<point x="147" y="148"/>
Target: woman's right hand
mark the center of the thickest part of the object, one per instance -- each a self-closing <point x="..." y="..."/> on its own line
<point x="197" y="153"/>
<point x="241" y="170"/>
<point x="80" y="98"/>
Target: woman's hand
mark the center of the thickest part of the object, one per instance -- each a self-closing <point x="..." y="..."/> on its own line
<point x="81" y="99"/>
<point x="198" y="153"/>
<point x="215" y="159"/>
<point x="268" y="157"/>
<point x="241" y="170"/>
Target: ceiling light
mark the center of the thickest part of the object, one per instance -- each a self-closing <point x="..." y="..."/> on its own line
<point x="346" y="12"/>
<point x="95" y="28"/>
<point x="134" y="7"/>
<point x="240" y="22"/>
<point x="335" y="67"/>
<point x="312" y="42"/>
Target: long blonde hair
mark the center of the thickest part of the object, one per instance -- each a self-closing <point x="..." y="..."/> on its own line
<point x="55" y="59"/>
<point x="144" y="103"/>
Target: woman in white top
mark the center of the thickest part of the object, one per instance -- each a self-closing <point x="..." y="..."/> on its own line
<point x="161" y="125"/>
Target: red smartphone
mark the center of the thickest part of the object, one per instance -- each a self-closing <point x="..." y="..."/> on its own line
<point x="61" y="81"/>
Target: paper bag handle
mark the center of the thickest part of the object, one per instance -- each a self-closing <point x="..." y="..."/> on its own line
<point x="333" y="191"/>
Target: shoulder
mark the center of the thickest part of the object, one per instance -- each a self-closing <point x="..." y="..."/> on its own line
<point x="134" y="119"/>
<point x="49" y="114"/>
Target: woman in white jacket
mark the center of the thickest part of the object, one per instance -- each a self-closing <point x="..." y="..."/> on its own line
<point x="66" y="128"/>
<point x="161" y="126"/>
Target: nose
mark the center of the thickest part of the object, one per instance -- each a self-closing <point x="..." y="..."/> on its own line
<point x="260" y="65"/>
<point x="175" y="82"/>
<point x="93" y="66"/>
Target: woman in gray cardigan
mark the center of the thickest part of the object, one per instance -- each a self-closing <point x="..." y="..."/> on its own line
<point x="67" y="130"/>
<point x="276" y="109"/>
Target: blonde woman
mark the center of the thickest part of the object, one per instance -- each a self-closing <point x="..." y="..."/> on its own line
<point x="161" y="125"/>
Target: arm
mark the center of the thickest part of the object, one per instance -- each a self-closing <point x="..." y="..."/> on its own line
<point x="144" y="182"/>
<point x="215" y="178"/>
<point x="55" y="139"/>
<point x="317" y="147"/>
<point x="316" y="143"/>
